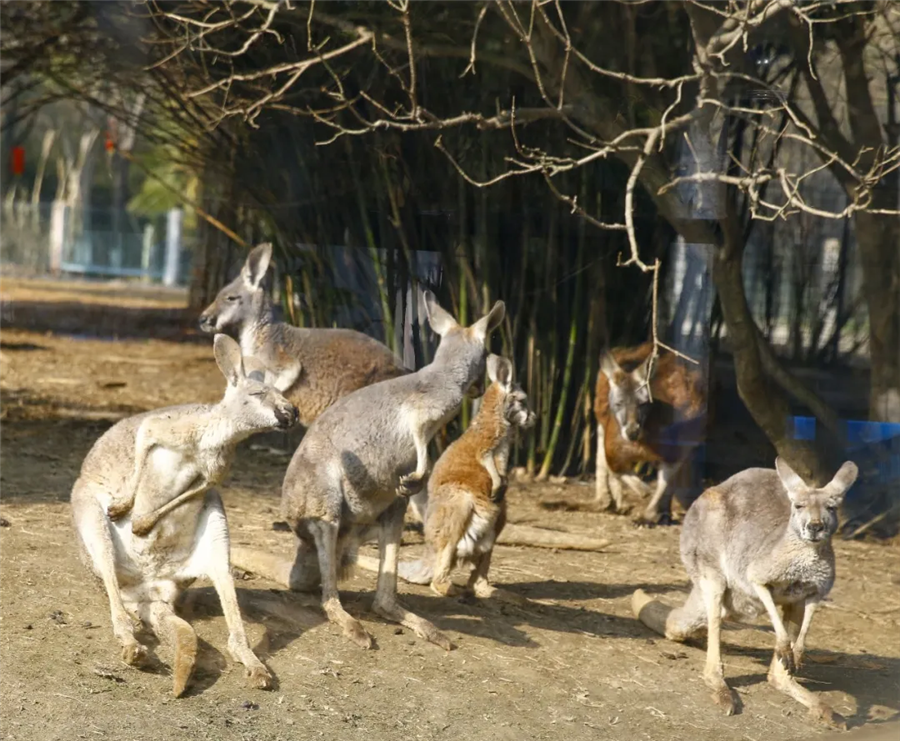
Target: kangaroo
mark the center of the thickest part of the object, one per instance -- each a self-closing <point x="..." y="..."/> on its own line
<point x="342" y="484"/>
<point x="144" y="576"/>
<point x="204" y="459"/>
<point x="760" y="540"/>
<point x="639" y="410"/>
<point x="466" y="508"/>
<point x="313" y="368"/>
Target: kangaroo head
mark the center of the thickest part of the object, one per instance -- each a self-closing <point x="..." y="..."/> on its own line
<point x="462" y="350"/>
<point x="814" y="511"/>
<point x="629" y="394"/>
<point x="514" y="400"/>
<point x="244" y="300"/>
<point x="250" y="404"/>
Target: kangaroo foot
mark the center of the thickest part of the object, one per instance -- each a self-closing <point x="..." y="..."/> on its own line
<point x="724" y="698"/>
<point x="134" y="654"/>
<point x="395" y="612"/>
<point x="502" y="595"/>
<point x="259" y="677"/>
<point x="444" y="588"/>
<point x="355" y="632"/>
<point x="826" y="715"/>
<point x="722" y="694"/>
<point x="650" y="518"/>
<point x="350" y="626"/>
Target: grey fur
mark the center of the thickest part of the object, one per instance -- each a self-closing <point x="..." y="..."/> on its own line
<point x="143" y="576"/>
<point x="759" y="541"/>
<point x="343" y="482"/>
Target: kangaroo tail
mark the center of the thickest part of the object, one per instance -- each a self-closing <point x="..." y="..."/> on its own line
<point x="540" y="537"/>
<point x="415" y="572"/>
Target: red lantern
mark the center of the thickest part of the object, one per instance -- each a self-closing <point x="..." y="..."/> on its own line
<point x="109" y="144"/>
<point x="17" y="160"/>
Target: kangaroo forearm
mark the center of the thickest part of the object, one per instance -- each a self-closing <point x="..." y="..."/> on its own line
<point x="145" y="523"/>
<point x="491" y="466"/>
<point x="121" y="506"/>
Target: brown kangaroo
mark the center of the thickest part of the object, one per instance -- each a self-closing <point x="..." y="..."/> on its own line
<point x="638" y="405"/>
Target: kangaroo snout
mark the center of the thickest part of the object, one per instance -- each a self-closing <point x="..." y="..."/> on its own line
<point x="632" y="431"/>
<point x="287" y="416"/>
<point x="815" y="530"/>
<point x="207" y="323"/>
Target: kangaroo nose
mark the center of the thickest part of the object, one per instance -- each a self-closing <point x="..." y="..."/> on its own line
<point x="287" y="417"/>
<point x="816" y="528"/>
<point x="632" y="433"/>
<point x="206" y="322"/>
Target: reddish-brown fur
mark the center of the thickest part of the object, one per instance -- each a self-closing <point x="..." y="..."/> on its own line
<point x="460" y="468"/>
<point x="465" y="504"/>
<point x="678" y="395"/>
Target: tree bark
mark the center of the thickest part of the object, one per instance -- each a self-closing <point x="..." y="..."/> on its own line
<point x="763" y="398"/>
<point x="878" y="239"/>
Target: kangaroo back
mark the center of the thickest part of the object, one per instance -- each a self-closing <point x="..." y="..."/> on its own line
<point x="313" y="368"/>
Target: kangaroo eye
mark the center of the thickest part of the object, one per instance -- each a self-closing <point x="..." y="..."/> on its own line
<point x="258" y="394"/>
<point x="232" y="298"/>
<point x="799" y="506"/>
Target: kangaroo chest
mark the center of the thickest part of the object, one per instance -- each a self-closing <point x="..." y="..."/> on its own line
<point x="802" y="579"/>
<point x="802" y="574"/>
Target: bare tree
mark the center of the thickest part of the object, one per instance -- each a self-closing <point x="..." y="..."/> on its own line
<point x="755" y="71"/>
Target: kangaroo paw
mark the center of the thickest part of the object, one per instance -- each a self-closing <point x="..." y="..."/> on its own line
<point x="118" y="510"/>
<point x="411" y="484"/>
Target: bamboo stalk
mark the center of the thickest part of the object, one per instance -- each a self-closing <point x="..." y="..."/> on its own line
<point x="575" y="428"/>
<point x="386" y="313"/>
<point x="570" y="359"/>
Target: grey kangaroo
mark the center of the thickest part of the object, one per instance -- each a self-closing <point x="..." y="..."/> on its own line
<point x="759" y="541"/>
<point x="144" y="576"/>
<point x="313" y="368"/>
<point x="342" y="485"/>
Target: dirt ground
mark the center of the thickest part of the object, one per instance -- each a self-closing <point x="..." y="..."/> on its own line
<point x="574" y="666"/>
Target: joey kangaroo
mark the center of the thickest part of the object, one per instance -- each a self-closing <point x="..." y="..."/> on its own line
<point x="639" y="409"/>
<point x="343" y="482"/>
<point x="313" y="368"/>
<point x="466" y="490"/>
<point x="144" y="576"/>
<point x="759" y="541"/>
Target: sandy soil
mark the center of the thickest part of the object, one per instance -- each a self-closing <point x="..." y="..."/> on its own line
<point x="574" y="666"/>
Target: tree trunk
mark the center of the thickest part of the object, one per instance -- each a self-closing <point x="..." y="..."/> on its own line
<point x="214" y="253"/>
<point x="878" y="238"/>
<point x="763" y="398"/>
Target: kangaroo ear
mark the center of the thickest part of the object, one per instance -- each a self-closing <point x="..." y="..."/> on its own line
<point x="483" y="327"/>
<point x="257" y="265"/>
<point x="255" y="369"/>
<point x="842" y="481"/>
<point x="499" y="370"/>
<point x="789" y="479"/>
<point x="439" y="320"/>
<point x="646" y="370"/>
<point x="608" y="365"/>
<point x="228" y="358"/>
